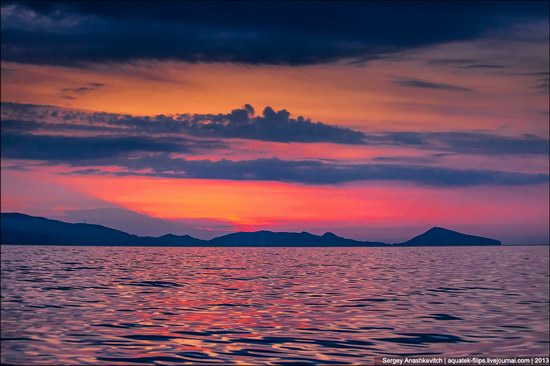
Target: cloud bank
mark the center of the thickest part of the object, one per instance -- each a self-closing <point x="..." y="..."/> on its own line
<point x="271" y="125"/>
<point x="423" y="84"/>
<point x="311" y="172"/>
<point x="243" y="123"/>
<point x="164" y="146"/>
<point x="275" y="33"/>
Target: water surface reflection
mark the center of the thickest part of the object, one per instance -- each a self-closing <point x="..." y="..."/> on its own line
<point x="270" y="305"/>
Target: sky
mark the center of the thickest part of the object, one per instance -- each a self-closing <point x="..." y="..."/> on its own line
<point x="373" y="120"/>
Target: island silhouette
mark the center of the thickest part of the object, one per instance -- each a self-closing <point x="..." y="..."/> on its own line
<point x="17" y="228"/>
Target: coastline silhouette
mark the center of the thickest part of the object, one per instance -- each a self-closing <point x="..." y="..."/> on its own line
<point x="17" y="228"/>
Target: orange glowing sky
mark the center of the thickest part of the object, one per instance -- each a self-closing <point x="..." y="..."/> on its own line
<point x="487" y="87"/>
<point x="351" y="95"/>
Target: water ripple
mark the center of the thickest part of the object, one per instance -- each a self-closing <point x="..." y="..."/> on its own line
<point x="273" y="306"/>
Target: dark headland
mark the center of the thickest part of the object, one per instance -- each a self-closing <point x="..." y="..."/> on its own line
<point x="23" y="229"/>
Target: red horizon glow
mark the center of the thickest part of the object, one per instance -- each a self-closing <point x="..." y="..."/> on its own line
<point x="367" y="98"/>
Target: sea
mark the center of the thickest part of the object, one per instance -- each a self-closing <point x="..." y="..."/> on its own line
<point x="274" y="306"/>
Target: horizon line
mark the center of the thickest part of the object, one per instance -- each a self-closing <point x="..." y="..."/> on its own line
<point x="274" y="232"/>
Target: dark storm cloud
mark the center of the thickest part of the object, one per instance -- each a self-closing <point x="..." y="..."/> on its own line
<point x="291" y="33"/>
<point x="313" y="172"/>
<point x="423" y="84"/>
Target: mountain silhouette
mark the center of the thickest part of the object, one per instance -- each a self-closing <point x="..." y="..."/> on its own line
<point x="269" y="238"/>
<point x="23" y="229"/>
<point x="174" y="240"/>
<point x="438" y="236"/>
<point x="18" y="228"/>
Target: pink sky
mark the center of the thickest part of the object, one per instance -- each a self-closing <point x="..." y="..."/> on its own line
<point x="466" y="120"/>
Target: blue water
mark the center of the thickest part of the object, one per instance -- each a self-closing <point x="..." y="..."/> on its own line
<point x="109" y="305"/>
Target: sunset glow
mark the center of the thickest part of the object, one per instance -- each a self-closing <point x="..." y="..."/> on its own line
<point x="448" y="132"/>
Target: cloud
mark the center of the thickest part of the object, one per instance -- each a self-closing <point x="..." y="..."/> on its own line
<point x="94" y="149"/>
<point x="423" y="84"/>
<point x="271" y="125"/>
<point x="161" y="145"/>
<point x="477" y="143"/>
<point x="543" y="82"/>
<point x="408" y="159"/>
<point x="465" y="63"/>
<point x="7" y="71"/>
<point x="72" y="93"/>
<point x="153" y="157"/>
<point x="243" y="123"/>
<point x="313" y="172"/>
<point x="277" y="33"/>
<point x="484" y="66"/>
